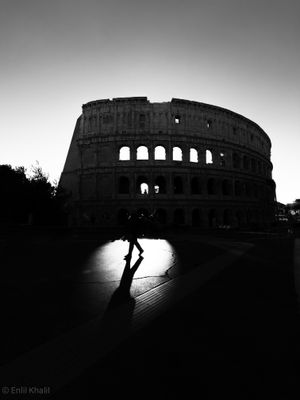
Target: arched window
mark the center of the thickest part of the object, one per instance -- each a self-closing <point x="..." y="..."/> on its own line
<point x="226" y="187"/>
<point x="208" y="123"/>
<point x="211" y="186"/>
<point x="208" y="157"/>
<point x="159" y="153"/>
<point x="160" y="185"/>
<point x="248" y="187"/>
<point x="193" y="155"/>
<point x="212" y="218"/>
<point x="178" y="185"/>
<point x="240" y="216"/>
<point x="195" y="186"/>
<point x="227" y="217"/>
<point x="236" y="160"/>
<point x="237" y="188"/>
<point x="196" y="217"/>
<point x="123" y="185"/>
<point x="124" y="153"/>
<point x="243" y="188"/>
<point x="142" y="153"/>
<point x="245" y="162"/>
<point x="177" y="154"/>
<point x="177" y="119"/>
<point x="142" y="186"/>
<point x="249" y="216"/>
<point x="253" y="165"/>
<point x="179" y="216"/>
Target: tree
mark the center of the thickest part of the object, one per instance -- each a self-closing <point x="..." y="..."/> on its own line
<point x="30" y="199"/>
<point x="14" y="199"/>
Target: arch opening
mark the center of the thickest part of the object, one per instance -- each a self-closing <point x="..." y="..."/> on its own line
<point x="226" y="187"/>
<point x="178" y="185"/>
<point x="142" y="153"/>
<point x="211" y="186"/>
<point x="159" y="153"/>
<point x="161" y="216"/>
<point x="193" y="155"/>
<point x="196" y="217"/>
<point x="142" y="186"/>
<point x="124" y="185"/>
<point x="236" y="160"/>
<point x="237" y="188"/>
<point x="160" y="185"/>
<point x="227" y="217"/>
<point x="124" y="153"/>
<point x="179" y="216"/>
<point x="195" y="186"/>
<point x="208" y="157"/>
<point x="246" y="162"/>
<point x="177" y="154"/>
<point x="212" y="218"/>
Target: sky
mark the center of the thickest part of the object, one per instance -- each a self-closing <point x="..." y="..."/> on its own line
<point x="57" y="55"/>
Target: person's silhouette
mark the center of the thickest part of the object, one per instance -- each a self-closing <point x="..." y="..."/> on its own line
<point x="133" y="230"/>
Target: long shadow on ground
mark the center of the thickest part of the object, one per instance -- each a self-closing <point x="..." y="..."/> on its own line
<point x="239" y="333"/>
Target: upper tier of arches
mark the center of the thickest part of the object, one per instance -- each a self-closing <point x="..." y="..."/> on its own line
<point x="221" y="158"/>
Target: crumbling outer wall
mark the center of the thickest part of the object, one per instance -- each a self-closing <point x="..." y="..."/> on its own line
<point x="93" y="169"/>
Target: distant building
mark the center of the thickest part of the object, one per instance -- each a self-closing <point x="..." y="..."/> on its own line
<point x="281" y="213"/>
<point x="294" y="210"/>
<point x="192" y="163"/>
<point x="295" y="205"/>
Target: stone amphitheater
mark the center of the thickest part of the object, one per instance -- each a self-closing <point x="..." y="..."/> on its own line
<point x="189" y="163"/>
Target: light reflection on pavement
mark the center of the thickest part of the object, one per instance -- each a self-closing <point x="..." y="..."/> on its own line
<point x="101" y="274"/>
<point x="107" y="262"/>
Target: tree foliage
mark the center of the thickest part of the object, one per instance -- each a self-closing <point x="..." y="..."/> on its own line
<point x="28" y="200"/>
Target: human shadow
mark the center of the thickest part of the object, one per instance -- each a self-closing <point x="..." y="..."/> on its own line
<point x="122" y="293"/>
<point x="121" y="305"/>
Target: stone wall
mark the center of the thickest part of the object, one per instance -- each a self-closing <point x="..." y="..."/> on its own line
<point x="122" y="159"/>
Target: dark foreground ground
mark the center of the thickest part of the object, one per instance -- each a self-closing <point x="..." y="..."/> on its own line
<point x="239" y="334"/>
<point x="46" y="287"/>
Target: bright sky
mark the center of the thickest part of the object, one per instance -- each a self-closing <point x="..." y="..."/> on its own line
<point x="57" y="55"/>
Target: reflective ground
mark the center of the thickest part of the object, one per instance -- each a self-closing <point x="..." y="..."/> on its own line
<point x="238" y="334"/>
<point x="102" y="271"/>
<point x="50" y="284"/>
<point x="242" y="324"/>
<point x="106" y="263"/>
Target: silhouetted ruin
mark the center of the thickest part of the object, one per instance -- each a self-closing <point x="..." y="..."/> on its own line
<point x="190" y="163"/>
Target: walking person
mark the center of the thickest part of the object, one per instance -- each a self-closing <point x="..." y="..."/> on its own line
<point x="133" y="226"/>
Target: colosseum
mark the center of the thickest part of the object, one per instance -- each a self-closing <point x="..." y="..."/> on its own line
<point x="190" y="163"/>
